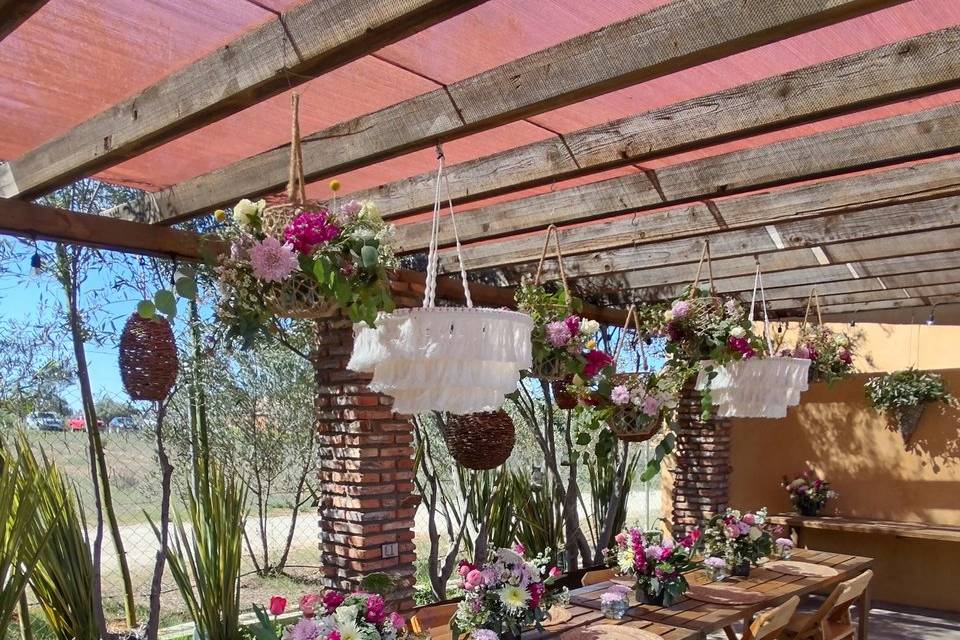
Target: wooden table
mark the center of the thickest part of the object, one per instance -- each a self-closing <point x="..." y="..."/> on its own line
<point x="705" y="618"/>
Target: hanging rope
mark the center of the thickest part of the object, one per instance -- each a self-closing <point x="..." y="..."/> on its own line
<point x="433" y="257"/>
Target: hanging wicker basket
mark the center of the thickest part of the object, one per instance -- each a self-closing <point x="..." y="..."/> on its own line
<point x="561" y="397"/>
<point x="628" y="422"/>
<point x="551" y="366"/>
<point x="907" y="420"/>
<point x="148" y="358"/>
<point x="479" y="441"/>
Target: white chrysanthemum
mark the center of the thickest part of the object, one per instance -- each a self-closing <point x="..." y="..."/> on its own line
<point x="589" y="327"/>
<point x="625" y="561"/>
<point x="514" y="597"/>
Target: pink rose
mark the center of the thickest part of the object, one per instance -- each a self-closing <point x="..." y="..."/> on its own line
<point x="308" y="604"/>
<point x="596" y="360"/>
<point x="749" y="518"/>
<point x="555" y="572"/>
<point x="731" y="531"/>
<point x="621" y="539"/>
<point x="332" y="600"/>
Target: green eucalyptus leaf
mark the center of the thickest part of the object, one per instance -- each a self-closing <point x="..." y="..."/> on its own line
<point x="146" y="309"/>
<point x="166" y="303"/>
<point x="186" y="287"/>
<point x="369" y="256"/>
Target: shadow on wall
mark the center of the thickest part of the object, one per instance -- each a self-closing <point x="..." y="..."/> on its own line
<point x="877" y="475"/>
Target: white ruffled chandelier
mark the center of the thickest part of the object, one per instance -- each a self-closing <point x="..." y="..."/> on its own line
<point x="455" y="359"/>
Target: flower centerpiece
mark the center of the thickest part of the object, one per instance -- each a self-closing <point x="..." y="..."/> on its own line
<point x="614" y="602"/>
<point x="903" y="395"/>
<point x="784" y="548"/>
<point x="505" y="595"/>
<point x="564" y="344"/>
<point x="741" y="539"/>
<point x="830" y="353"/>
<point x="716" y="568"/>
<point x="656" y="563"/>
<point x="337" y="616"/>
<point x="808" y="493"/>
<point x="324" y="255"/>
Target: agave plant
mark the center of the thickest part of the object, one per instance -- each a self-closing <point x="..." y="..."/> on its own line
<point x="63" y="579"/>
<point x="205" y="559"/>
<point x="22" y="537"/>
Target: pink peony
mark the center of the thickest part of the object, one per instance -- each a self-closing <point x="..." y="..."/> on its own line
<point x="680" y="308"/>
<point x="309" y="230"/>
<point x="731" y="531"/>
<point x="309" y="603"/>
<point x="620" y="395"/>
<point x="749" y="518"/>
<point x="397" y="620"/>
<point x="331" y="600"/>
<point x="650" y="406"/>
<point x="272" y="261"/>
<point x="376" y="609"/>
<point x="596" y="360"/>
<point x="558" y="333"/>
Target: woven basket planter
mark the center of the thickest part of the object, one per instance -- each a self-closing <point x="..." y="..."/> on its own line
<point x="479" y="441"/>
<point x="629" y="423"/>
<point x="148" y="358"/>
<point x="907" y="420"/>
<point x="298" y="296"/>
<point x="562" y="398"/>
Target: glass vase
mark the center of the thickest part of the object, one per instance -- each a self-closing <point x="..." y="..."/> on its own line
<point x="614" y="609"/>
<point x="741" y="569"/>
<point x="643" y="597"/>
<point x="717" y="574"/>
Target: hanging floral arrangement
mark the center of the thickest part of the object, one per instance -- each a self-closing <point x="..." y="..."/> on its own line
<point x="830" y="353"/>
<point x="564" y="343"/>
<point x="301" y="259"/>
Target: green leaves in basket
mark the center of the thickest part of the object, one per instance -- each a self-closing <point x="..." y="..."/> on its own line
<point x="186" y="287"/>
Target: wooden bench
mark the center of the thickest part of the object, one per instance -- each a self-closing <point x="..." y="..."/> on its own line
<point x="863" y="525"/>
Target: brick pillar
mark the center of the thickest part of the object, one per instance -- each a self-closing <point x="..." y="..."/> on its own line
<point x="367" y="504"/>
<point x="702" y="464"/>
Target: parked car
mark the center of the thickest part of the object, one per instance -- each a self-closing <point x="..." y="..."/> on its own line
<point x="79" y="423"/>
<point x="122" y="423"/>
<point x="45" y="421"/>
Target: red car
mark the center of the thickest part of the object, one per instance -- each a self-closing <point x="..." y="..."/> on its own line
<point x="79" y="423"/>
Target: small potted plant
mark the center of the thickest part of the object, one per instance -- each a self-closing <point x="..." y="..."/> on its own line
<point x="656" y="563"/>
<point x="904" y="395"/>
<point x="739" y="538"/>
<point x="808" y="493"/>
<point x="505" y="595"/>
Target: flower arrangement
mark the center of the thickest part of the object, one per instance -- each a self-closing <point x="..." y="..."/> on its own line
<point x="635" y="406"/>
<point x="808" y="493"/>
<point x="564" y="344"/>
<point x="656" y="563"/>
<point x="716" y="568"/>
<point x="614" y="602"/>
<point x="784" y="548"/>
<point x="504" y="595"/>
<point x="830" y="353"/>
<point x="702" y="327"/>
<point x="335" y="616"/>
<point x="741" y="539"/>
<point x="903" y="389"/>
<point x="343" y="252"/>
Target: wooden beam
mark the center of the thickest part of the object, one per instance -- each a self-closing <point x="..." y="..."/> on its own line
<point x="13" y="13"/>
<point x="907" y="281"/>
<point x="676" y="36"/>
<point x="309" y="40"/>
<point x="908" y="68"/>
<point x="884" y="295"/>
<point x="661" y="281"/>
<point x="798" y="281"/>
<point x="39" y="222"/>
<point x="633" y="242"/>
<point x="872" y="144"/>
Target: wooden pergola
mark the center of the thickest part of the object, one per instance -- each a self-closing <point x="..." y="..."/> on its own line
<point x="838" y="174"/>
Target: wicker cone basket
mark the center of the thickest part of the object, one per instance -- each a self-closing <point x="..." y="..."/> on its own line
<point x="561" y="397"/>
<point x="148" y="358"/>
<point x="479" y="441"/>
<point x="907" y="420"/>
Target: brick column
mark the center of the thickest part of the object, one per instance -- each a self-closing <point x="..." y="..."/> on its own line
<point x="702" y="470"/>
<point x="367" y="504"/>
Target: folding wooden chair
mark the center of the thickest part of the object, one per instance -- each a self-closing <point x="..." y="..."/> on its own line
<point x="832" y="620"/>
<point x="434" y="619"/>
<point x="769" y="624"/>
<point x="600" y="575"/>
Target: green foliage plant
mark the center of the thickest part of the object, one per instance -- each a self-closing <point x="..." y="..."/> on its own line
<point x="906" y="389"/>
<point x="205" y="559"/>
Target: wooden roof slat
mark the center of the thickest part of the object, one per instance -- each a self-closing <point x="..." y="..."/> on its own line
<point x="894" y="295"/>
<point x="669" y="38"/>
<point x="864" y="284"/>
<point x="13" y="13"/>
<point x="309" y="40"/>
<point x="614" y="245"/>
<point x="667" y="275"/>
<point x="910" y="67"/>
<point x="801" y="279"/>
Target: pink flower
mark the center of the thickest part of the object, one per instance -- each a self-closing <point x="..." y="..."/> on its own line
<point x="573" y="324"/>
<point x="463" y="568"/>
<point x="309" y="230"/>
<point x="376" y="609"/>
<point x="620" y="395"/>
<point x="331" y="600"/>
<point x="845" y="356"/>
<point x="650" y="405"/>
<point x="691" y="538"/>
<point x="304" y="629"/>
<point x="621" y="539"/>
<point x="397" y="620"/>
<point x="749" y="518"/>
<point x="680" y="308"/>
<point x="334" y="635"/>
<point x="351" y="208"/>
<point x="731" y="531"/>
<point x="596" y="360"/>
<point x="536" y="592"/>
<point x="520" y="549"/>
<point x="278" y="605"/>
<point x="555" y="572"/>
<point x="474" y="579"/>
<point x="558" y="333"/>
<point x="272" y="261"/>
<point x="308" y="604"/>
<point x="741" y="346"/>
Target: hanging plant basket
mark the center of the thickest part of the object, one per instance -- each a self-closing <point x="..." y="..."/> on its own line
<point x="628" y="422"/>
<point x="907" y="419"/>
<point x="561" y="397"/>
<point x="148" y="358"/>
<point x="479" y="441"/>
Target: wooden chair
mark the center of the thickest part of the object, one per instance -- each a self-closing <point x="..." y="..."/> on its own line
<point x="600" y="575"/>
<point x="437" y="617"/>
<point x="770" y="623"/>
<point x="832" y="620"/>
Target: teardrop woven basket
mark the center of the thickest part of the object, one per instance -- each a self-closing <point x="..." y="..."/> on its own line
<point x="479" y="441"/>
<point x="148" y="358"/>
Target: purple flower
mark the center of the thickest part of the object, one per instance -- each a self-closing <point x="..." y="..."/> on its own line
<point x="484" y="634"/>
<point x="620" y="395"/>
<point x="351" y="208"/>
<point x="784" y="543"/>
<point x="680" y="308"/>
<point x="304" y="629"/>
<point x="376" y="609"/>
<point x="558" y="333"/>
<point x="272" y="261"/>
<point x="309" y="230"/>
<point x="650" y="405"/>
<point x="397" y="620"/>
<point x="715" y="563"/>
